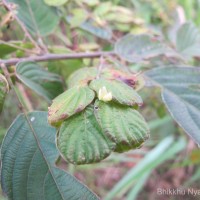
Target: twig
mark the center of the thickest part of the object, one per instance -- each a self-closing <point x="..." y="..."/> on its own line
<point x="51" y="57"/>
<point x="8" y="6"/>
<point x="7" y="75"/>
<point x="101" y="64"/>
<point x="24" y="97"/>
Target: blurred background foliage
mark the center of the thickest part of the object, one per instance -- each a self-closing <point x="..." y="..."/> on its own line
<point x="169" y="159"/>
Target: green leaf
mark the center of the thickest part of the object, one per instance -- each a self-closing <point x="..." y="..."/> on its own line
<point x="181" y="94"/>
<point x="85" y="74"/>
<point x="4" y="89"/>
<point x="123" y="125"/>
<point x="81" y="140"/>
<point x="6" y="49"/>
<point x="121" y="92"/>
<point x="39" y="18"/>
<point x="55" y="2"/>
<point x="28" y="158"/>
<point x="132" y="195"/>
<point x="136" y="48"/>
<point x="89" y="2"/>
<point x="165" y="150"/>
<point x="69" y="103"/>
<point x="79" y="17"/>
<point x="187" y="40"/>
<point x="46" y="84"/>
<point x="93" y="28"/>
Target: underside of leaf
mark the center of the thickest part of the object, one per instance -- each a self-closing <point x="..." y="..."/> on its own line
<point x="28" y="158"/>
<point x="181" y="94"/>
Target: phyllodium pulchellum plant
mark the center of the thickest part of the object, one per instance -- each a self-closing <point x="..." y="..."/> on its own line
<point x="97" y="115"/>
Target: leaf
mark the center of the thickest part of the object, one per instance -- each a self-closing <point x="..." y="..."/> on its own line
<point x="90" y="2"/>
<point x="93" y="28"/>
<point x="165" y="150"/>
<point x="123" y="125"/>
<point x="85" y="74"/>
<point x="81" y="140"/>
<point x="39" y="18"/>
<point x="4" y="89"/>
<point x="6" y="49"/>
<point x="103" y="9"/>
<point x="188" y="40"/>
<point x="79" y="17"/>
<point x="134" y="80"/>
<point x="46" y="84"/>
<point x="132" y="195"/>
<point x="55" y="2"/>
<point x="121" y="92"/>
<point x="136" y="48"/>
<point x="69" y="103"/>
<point x="181" y="94"/>
<point x="28" y="163"/>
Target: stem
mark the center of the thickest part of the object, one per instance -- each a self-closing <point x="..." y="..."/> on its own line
<point x="24" y="97"/>
<point x="51" y="57"/>
<point x="7" y="75"/>
<point x="8" y="6"/>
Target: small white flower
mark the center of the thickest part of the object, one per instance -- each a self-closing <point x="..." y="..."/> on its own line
<point x="104" y="95"/>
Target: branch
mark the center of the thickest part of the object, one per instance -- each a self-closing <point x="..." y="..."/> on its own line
<point x="51" y="57"/>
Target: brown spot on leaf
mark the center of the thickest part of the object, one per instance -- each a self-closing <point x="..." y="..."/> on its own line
<point x="79" y="109"/>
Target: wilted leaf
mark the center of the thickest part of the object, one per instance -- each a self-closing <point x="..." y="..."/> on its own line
<point x="38" y="17"/>
<point x="28" y="164"/>
<point x="136" y="48"/>
<point x="46" y="84"/>
<point x="121" y="92"/>
<point x="134" y="80"/>
<point x="55" y="2"/>
<point x="181" y="94"/>
<point x="69" y="103"/>
<point x="188" y="40"/>
<point x="81" y="140"/>
<point x="123" y="125"/>
<point x="4" y="88"/>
